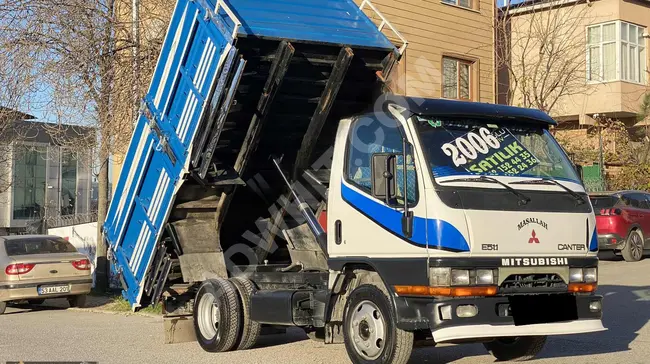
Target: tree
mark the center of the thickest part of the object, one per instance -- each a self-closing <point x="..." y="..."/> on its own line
<point x="81" y="53"/>
<point x="540" y="52"/>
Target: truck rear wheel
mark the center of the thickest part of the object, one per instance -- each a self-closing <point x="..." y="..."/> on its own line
<point x="3" y="307"/>
<point x="370" y="333"/>
<point x="250" y="330"/>
<point x="217" y="315"/>
<point x="520" y="348"/>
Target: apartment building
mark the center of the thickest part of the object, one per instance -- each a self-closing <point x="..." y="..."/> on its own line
<point x="611" y="74"/>
<point x="451" y="48"/>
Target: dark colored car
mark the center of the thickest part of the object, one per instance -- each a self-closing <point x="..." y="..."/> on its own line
<point x="623" y="222"/>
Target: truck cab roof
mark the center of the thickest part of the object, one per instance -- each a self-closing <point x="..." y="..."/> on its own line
<point x="445" y="107"/>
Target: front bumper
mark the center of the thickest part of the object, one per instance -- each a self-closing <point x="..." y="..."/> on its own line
<point x="501" y="316"/>
<point x="610" y="242"/>
<point x="16" y="291"/>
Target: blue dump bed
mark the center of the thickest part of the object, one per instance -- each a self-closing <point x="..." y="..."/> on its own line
<point x="233" y="78"/>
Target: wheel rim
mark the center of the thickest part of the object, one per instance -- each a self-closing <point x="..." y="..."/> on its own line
<point x="368" y="330"/>
<point x="636" y="246"/>
<point x="208" y="317"/>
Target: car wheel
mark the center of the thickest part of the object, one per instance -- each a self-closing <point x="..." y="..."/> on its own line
<point x="520" y="348"/>
<point x="36" y="302"/>
<point x="250" y="330"/>
<point x="633" y="249"/>
<point x="77" y="301"/>
<point x="217" y="313"/>
<point x="3" y="307"/>
<point x="369" y="329"/>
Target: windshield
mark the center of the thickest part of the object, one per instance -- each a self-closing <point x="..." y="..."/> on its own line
<point x="45" y="245"/>
<point x="464" y="146"/>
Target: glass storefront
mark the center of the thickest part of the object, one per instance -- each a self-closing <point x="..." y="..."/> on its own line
<point x="29" y="181"/>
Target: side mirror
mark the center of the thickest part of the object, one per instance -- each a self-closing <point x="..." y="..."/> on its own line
<point x="578" y="169"/>
<point x="383" y="176"/>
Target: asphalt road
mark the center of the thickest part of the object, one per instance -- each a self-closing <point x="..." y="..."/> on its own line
<point x="43" y="334"/>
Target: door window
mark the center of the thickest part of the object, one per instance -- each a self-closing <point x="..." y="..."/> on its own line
<point x="368" y="136"/>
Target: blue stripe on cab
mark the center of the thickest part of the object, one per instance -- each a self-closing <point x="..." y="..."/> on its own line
<point x="593" y="244"/>
<point x="441" y="234"/>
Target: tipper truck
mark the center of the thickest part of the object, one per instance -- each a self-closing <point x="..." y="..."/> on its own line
<point x="271" y="182"/>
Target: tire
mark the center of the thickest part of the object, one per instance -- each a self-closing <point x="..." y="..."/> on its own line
<point x="36" y="302"/>
<point x="369" y="329"/>
<point x="519" y="348"/>
<point x="633" y="249"/>
<point x="77" y="301"/>
<point x="217" y="315"/>
<point x="250" y="330"/>
<point x="3" y="307"/>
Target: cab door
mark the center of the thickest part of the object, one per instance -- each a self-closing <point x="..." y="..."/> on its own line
<point x="366" y="224"/>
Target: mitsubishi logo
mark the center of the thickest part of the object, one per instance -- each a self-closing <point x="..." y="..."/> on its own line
<point x="533" y="239"/>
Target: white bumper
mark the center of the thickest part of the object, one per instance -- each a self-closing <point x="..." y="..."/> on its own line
<point x="488" y="331"/>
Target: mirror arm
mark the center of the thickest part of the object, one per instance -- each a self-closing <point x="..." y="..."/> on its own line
<point x="387" y="176"/>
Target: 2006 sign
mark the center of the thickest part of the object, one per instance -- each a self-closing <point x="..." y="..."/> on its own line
<point x="465" y="149"/>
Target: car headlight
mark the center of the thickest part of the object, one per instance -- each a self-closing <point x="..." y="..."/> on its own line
<point x="590" y="275"/>
<point x="446" y="277"/>
<point x="576" y="275"/>
<point x="439" y="277"/>
<point x="484" y="276"/>
<point x="460" y="277"/>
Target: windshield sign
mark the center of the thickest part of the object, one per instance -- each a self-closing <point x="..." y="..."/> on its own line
<point x="476" y="147"/>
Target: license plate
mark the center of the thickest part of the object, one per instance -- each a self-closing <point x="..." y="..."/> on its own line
<point x="53" y="289"/>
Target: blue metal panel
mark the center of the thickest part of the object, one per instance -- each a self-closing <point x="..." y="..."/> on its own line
<point x="331" y="21"/>
<point x="158" y="155"/>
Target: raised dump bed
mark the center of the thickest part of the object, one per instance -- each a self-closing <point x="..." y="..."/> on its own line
<point x="236" y="82"/>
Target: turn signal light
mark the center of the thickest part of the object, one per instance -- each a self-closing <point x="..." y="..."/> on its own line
<point x="582" y="287"/>
<point x="446" y="291"/>
<point x="20" y="268"/>
<point x="83" y="264"/>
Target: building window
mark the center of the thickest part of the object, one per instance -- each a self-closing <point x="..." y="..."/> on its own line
<point x="68" y="183"/>
<point x="463" y="3"/>
<point x="29" y="182"/>
<point x="616" y="51"/>
<point x="456" y="79"/>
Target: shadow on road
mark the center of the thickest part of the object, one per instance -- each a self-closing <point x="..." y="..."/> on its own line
<point x="292" y="335"/>
<point x="626" y="311"/>
<point x="26" y="308"/>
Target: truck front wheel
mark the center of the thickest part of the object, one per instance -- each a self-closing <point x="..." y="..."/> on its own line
<point x="370" y="333"/>
<point x="519" y="348"/>
<point x="217" y="315"/>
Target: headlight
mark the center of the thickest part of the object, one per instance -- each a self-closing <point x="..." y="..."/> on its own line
<point x="484" y="277"/>
<point x="460" y="277"/>
<point x="446" y="277"/>
<point x="439" y="277"/>
<point x="590" y="275"/>
<point x="576" y="275"/>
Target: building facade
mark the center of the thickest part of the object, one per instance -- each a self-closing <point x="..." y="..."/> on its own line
<point x="613" y="40"/>
<point x="450" y="50"/>
<point x="47" y="180"/>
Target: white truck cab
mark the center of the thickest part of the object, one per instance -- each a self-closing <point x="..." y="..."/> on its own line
<point x="496" y="239"/>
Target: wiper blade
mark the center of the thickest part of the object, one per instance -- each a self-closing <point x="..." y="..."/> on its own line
<point x="523" y="199"/>
<point x="550" y="181"/>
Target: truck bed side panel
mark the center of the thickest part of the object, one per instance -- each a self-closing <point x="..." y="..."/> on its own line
<point x="158" y="156"/>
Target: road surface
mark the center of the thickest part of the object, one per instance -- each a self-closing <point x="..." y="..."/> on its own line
<point x="45" y="334"/>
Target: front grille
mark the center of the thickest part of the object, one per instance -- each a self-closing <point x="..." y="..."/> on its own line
<point x="526" y="283"/>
